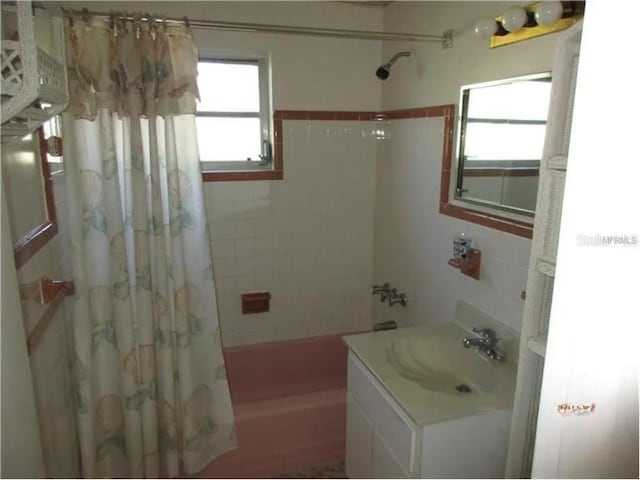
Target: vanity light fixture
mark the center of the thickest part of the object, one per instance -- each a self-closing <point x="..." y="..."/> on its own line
<point x="548" y="13"/>
<point x="513" y="19"/>
<point x="521" y="23"/>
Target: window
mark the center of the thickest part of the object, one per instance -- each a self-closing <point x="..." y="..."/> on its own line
<point x="233" y="116"/>
<point x="504" y="124"/>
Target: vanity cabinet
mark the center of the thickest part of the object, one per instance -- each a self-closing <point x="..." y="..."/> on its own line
<point x="380" y="437"/>
<point x="383" y="442"/>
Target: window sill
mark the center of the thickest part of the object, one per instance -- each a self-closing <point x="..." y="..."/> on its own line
<point x="238" y="176"/>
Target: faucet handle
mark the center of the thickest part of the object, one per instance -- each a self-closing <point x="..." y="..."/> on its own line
<point x="487" y="333"/>
<point x="381" y="288"/>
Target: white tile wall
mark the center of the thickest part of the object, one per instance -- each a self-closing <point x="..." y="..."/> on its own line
<point x="413" y="241"/>
<point x="307" y="239"/>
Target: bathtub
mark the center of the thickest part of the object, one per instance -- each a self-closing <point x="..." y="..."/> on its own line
<point x="289" y="405"/>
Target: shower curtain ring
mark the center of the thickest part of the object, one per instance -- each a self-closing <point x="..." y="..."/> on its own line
<point x="86" y="16"/>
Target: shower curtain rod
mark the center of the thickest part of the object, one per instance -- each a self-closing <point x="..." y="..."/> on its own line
<point x="445" y="39"/>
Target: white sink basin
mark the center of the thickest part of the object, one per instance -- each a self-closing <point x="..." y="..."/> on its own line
<point x="441" y="364"/>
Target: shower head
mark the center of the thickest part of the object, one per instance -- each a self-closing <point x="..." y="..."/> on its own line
<point x="384" y="71"/>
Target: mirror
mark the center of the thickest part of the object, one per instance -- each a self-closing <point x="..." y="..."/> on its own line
<point x="500" y="141"/>
<point x="29" y="194"/>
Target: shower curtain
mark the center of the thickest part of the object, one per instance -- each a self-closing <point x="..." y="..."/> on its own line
<point x="152" y="394"/>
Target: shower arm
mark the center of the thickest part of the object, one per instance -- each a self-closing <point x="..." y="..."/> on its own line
<point x="395" y="58"/>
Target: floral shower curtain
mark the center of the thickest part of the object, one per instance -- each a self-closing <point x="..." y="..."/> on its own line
<point x="152" y="390"/>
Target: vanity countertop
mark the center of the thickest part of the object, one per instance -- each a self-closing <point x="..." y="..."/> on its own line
<point x="425" y="406"/>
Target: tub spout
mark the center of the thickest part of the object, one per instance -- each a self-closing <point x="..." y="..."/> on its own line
<point x="390" y="325"/>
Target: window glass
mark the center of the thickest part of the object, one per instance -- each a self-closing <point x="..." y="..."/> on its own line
<point x="232" y="119"/>
<point x="228" y="139"/>
<point x="515" y="101"/>
<point x="491" y="141"/>
<point x="228" y="87"/>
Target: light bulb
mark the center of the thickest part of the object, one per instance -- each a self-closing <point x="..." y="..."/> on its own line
<point x="485" y="27"/>
<point x="548" y="13"/>
<point x="514" y="18"/>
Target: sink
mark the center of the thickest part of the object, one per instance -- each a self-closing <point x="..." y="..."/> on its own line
<point x="441" y="364"/>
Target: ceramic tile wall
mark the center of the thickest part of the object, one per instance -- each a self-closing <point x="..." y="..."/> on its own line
<point x="307" y="239"/>
<point x="413" y="241"/>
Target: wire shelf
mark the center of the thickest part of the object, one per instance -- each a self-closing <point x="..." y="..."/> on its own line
<point x="33" y="83"/>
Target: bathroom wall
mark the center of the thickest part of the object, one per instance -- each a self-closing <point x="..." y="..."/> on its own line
<point x="307" y="239"/>
<point x="309" y="73"/>
<point x="434" y="75"/>
<point x="252" y="220"/>
<point x="413" y="241"/>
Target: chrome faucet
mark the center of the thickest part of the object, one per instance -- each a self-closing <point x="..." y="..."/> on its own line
<point x="487" y="343"/>
<point x="397" y="297"/>
<point x="381" y="288"/>
<point x="389" y="295"/>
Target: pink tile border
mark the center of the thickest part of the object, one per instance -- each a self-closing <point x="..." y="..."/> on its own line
<point x="504" y="224"/>
<point x="338" y="115"/>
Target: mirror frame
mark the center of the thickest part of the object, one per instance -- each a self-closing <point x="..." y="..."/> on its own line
<point x="460" y="139"/>
<point x="27" y="246"/>
<point x="476" y="215"/>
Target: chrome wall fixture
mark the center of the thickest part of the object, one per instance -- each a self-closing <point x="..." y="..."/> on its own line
<point x="390" y="295"/>
<point x="384" y="71"/>
<point x="521" y="23"/>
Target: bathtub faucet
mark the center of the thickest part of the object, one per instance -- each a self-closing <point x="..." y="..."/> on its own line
<point x="390" y="325"/>
<point x="378" y="289"/>
<point x="389" y="295"/>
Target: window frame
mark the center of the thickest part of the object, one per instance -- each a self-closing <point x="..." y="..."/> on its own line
<point x="253" y="170"/>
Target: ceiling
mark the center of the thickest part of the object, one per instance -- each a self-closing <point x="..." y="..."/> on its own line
<point x="363" y="3"/>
